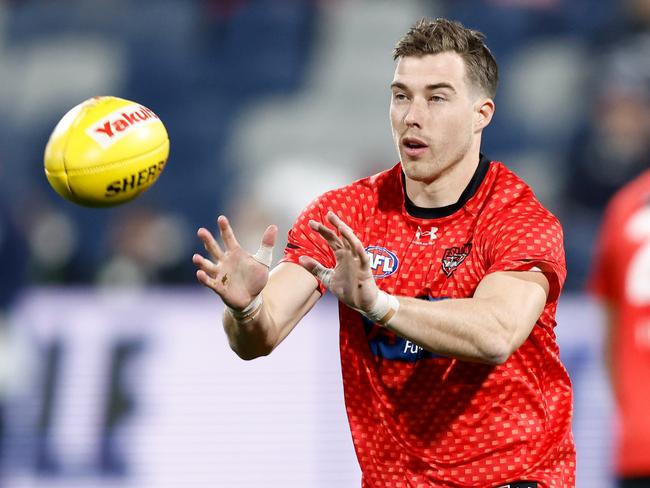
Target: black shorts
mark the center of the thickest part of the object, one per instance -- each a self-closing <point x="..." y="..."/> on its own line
<point x="519" y="484"/>
<point x="636" y="482"/>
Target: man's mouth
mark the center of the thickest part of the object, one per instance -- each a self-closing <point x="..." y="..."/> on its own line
<point x="414" y="147"/>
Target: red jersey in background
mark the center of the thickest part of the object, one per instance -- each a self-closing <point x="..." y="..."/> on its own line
<point x="621" y="278"/>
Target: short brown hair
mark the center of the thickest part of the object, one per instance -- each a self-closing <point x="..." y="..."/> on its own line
<point x="440" y="35"/>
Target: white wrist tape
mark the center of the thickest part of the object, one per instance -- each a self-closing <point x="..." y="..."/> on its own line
<point x="384" y="309"/>
<point x="264" y="255"/>
<point x="249" y="312"/>
<point x="325" y="275"/>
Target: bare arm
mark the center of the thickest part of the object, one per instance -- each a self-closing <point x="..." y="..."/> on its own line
<point x="289" y="294"/>
<point x="486" y="328"/>
<point x="261" y="307"/>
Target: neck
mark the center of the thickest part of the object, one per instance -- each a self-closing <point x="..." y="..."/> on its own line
<point x="447" y="187"/>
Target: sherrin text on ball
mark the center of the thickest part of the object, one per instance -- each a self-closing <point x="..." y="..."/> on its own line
<point x="106" y="151"/>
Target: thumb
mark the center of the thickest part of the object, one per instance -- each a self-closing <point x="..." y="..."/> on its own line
<point x="318" y="270"/>
<point x="270" y="235"/>
<point x="264" y="254"/>
<point x="310" y="264"/>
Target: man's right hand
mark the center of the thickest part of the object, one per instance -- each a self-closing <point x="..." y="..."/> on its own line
<point x="232" y="273"/>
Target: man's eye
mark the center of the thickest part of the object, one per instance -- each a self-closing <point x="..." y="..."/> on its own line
<point x="436" y="98"/>
<point x="399" y="96"/>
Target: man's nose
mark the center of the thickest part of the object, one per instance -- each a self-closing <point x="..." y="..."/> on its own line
<point x="415" y="114"/>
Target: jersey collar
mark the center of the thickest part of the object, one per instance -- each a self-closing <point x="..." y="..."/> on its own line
<point x="412" y="210"/>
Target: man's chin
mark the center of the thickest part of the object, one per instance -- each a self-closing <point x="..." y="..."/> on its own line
<point x="419" y="169"/>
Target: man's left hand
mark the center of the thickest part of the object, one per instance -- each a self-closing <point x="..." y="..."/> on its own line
<point x="351" y="279"/>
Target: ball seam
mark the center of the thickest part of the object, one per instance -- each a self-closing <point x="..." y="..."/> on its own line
<point x="111" y="165"/>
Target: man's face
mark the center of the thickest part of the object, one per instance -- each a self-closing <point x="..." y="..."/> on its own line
<point x="432" y="114"/>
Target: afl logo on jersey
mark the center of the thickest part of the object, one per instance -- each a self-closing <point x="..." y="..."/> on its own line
<point x="382" y="261"/>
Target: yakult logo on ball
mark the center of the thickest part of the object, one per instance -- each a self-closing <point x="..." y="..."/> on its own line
<point x="116" y="125"/>
<point x="382" y="261"/>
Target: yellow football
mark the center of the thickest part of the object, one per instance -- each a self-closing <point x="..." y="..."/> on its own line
<point x="106" y="151"/>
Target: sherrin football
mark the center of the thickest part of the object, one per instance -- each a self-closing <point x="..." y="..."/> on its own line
<point x="106" y="151"/>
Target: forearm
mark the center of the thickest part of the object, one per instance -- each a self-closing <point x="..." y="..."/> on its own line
<point x="251" y="338"/>
<point x="472" y="329"/>
<point x="486" y="328"/>
<point x="289" y="295"/>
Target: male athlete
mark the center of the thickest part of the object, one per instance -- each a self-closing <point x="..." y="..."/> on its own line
<point x="621" y="280"/>
<point x="448" y="272"/>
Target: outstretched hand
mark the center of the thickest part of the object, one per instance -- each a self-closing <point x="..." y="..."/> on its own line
<point x="232" y="273"/>
<point x="351" y="279"/>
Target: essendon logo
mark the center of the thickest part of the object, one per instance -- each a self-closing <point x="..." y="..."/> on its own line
<point x="453" y="257"/>
<point x="117" y="124"/>
<point x="382" y="261"/>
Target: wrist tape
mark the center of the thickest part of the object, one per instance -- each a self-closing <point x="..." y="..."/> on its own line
<point x="384" y="309"/>
<point x="264" y="255"/>
<point x="249" y="312"/>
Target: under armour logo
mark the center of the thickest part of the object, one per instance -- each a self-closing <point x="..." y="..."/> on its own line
<point x="425" y="236"/>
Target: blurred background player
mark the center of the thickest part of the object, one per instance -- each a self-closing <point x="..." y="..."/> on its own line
<point x="448" y="271"/>
<point x="621" y="280"/>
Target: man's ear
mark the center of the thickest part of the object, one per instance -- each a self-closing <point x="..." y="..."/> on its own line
<point x="483" y="110"/>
